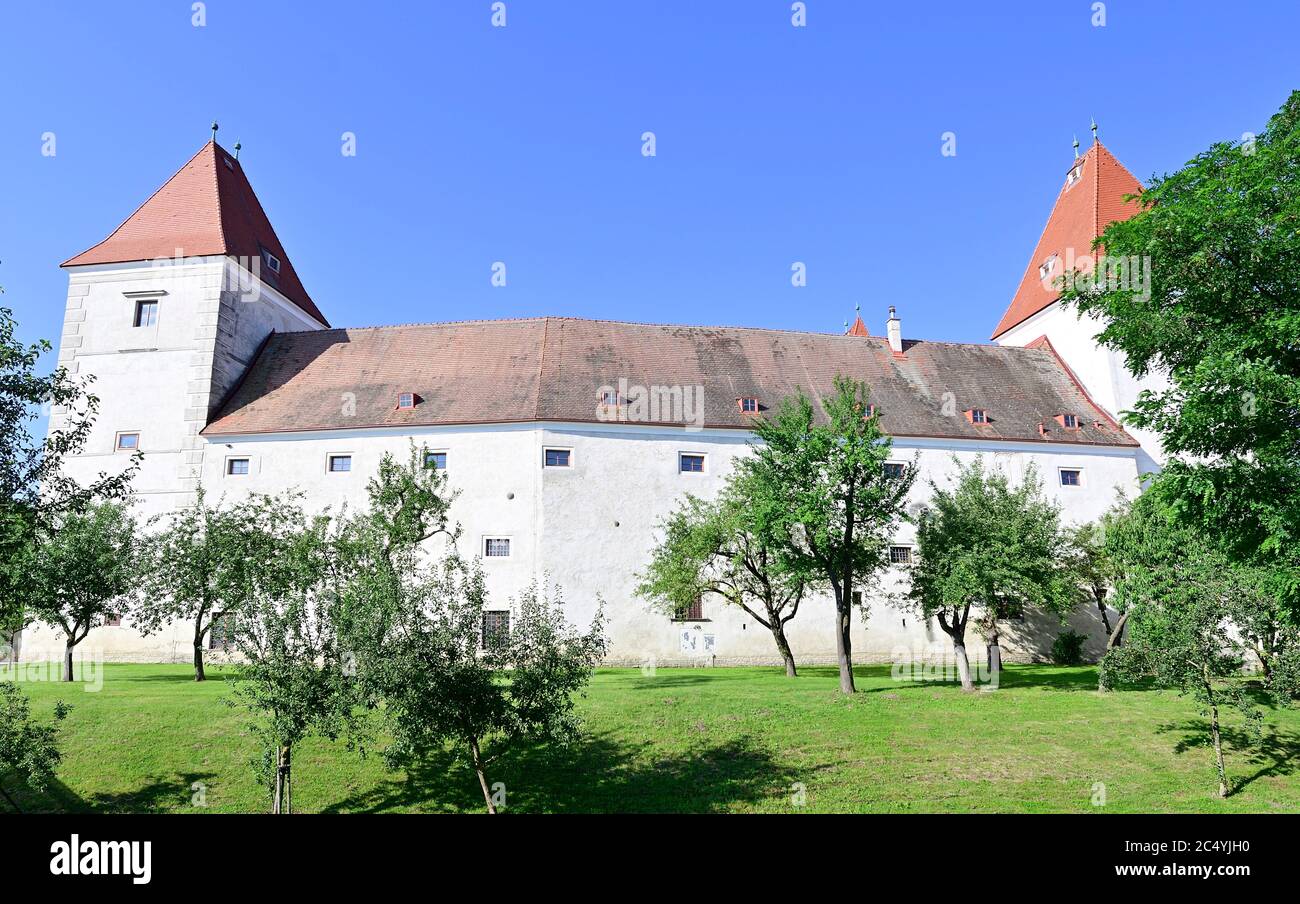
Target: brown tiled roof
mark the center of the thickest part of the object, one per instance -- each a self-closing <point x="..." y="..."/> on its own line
<point x="553" y="368"/>
<point x="208" y="207"/>
<point x="1081" y="214"/>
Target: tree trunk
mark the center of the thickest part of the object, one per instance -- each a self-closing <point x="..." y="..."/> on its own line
<point x="1117" y="636"/>
<point x="199" y="674"/>
<point x="783" y="647"/>
<point x="1101" y="607"/>
<point x="482" y="775"/>
<point x="283" y="780"/>
<point x="67" y="661"/>
<point x="995" y="656"/>
<point x="1218" y="742"/>
<point x="844" y="645"/>
<point x="963" y="665"/>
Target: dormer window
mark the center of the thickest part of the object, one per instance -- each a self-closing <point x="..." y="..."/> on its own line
<point x="406" y="401"/>
<point x="272" y="262"/>
<point x="1068" y="421"/>
<point x="609" y="397"/>
<point x="747" y="405"/>
<point x="977" y="415"/>
<point x="1045" y="269"/>
<point x="1074" y="175"/>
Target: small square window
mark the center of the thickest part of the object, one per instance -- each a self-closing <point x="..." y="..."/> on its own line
<point x="496" y="629"/>
<point x="271" y="260"/>
<point x="894" y="470"/>
<point x="978" y="416"/>
<point x="236" y="467"/>
<point x="436" y="460"/>
<point x="690" y="463"/>
<point x="1071" y="477"/>
<point x="340" y="463"/>
<point x="1070" y="421"/>
<point x="128" y="442"/>
<point x="146" y="312"/>
<point x="496" y="547"/>
<point x="609" y="397"/>
<point x="748" y="406"/>
<point x="900" y="555"/>
<point x="556" y="458"/>
<point x="406" y="400"/>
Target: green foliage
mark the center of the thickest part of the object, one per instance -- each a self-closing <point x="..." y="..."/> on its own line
<point x="1067" y="649"/>
<point x="989" y="544"/>
<point x="80" y="568"/>
<point x="206" y="561"/>
<point x="1223" y="320"/>
<point x="35" y="493"/>
<point x="825" y="493"/>
<point x="28" y="749"/>
<point x="729" y="547"/>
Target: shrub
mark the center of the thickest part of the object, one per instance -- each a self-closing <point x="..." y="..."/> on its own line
<point x="1067" y="649"/>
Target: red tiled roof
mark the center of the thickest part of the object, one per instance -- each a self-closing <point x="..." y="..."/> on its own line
<point x="859" y="328"/>
<point x="208" y="207"/>
<point x="1081" y="214"/>
<point x="553" y="369"/>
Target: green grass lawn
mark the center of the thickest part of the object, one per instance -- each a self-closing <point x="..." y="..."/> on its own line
<point x="698" y="740"/>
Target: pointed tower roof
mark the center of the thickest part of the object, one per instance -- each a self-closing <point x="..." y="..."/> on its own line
<point x="1091" y="199"/>
<point x="207" y="207"/>
<point x="859" y="328"/>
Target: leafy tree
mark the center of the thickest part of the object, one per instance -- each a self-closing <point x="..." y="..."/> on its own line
<point x="203" y="563"/>
<point x="1188" y="603"/>
<point x="295" y="679"/>
<point x="988" y="544"/>
<point x="1222" y="318"/>
<point x="727" y="547"/>
<point x="28" y="749"/>
<point x="442" y="680"/>
<point x="79" y="569"/>
<point x="834" y="506"/>
<point x="35" y="493"/>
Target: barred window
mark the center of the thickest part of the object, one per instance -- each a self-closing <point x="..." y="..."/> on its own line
<point x="894" y="469"/>
<point x="496" y="547"/>
<point x="496" y="629"/>
<point x="900" y="555"/>
<point x="692" y="612"/>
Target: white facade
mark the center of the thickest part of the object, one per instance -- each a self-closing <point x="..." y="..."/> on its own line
<point x="588" y="527"/>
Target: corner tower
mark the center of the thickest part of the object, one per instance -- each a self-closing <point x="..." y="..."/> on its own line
<point x="1096" y="192"/>
<point x="167" y="313"/>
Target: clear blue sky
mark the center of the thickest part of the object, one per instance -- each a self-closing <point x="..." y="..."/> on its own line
<point x="522" y="144"/>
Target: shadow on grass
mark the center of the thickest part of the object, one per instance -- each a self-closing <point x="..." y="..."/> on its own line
<point x="598" y="774"/>
<point x="159" y="796"/>
<point x="1275" y="754"/>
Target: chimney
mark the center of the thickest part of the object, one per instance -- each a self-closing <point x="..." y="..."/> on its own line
<point x="895" y="331"/>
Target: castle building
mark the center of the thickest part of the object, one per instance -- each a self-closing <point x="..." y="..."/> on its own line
<point x="568" y="440"/>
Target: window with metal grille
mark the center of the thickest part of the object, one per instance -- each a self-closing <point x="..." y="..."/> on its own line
<point x="900" y="555"/>
<point x="556" y="458"/>
<point x="146" y="312"/>
<point x="496" y="547"/>
<point x="692" y="612"/>
<point x="340" y="463"/>
<point x="1071" y="477"/>
<point x="691" y="464"/>
<point x="236" y="467"/>
<point x="894" y="469"/>
<point x="436" y="460"/>
<point x="496" y="629"/>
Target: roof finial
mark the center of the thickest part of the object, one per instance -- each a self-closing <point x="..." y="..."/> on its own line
<point x="214" y="131"/>
<point x="1094" y="130"/>
<point x="237" y="147"/>
<point x="1076" y="147"/>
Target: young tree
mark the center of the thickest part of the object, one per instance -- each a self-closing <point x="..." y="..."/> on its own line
<point x="28" y="749"/>
<point x="79" y="569"/>
<point x="203" y="563"/>
<point x="1221" y="316"/>
<point x="727" y="547"/>
<point x="444" y="679"/>
<point x="988" y="544"/>
<point x="1187" y="601"/>
<point x="834" y="506"/>
<point x="295" y="679"/>
<point x="35" y="492"/>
